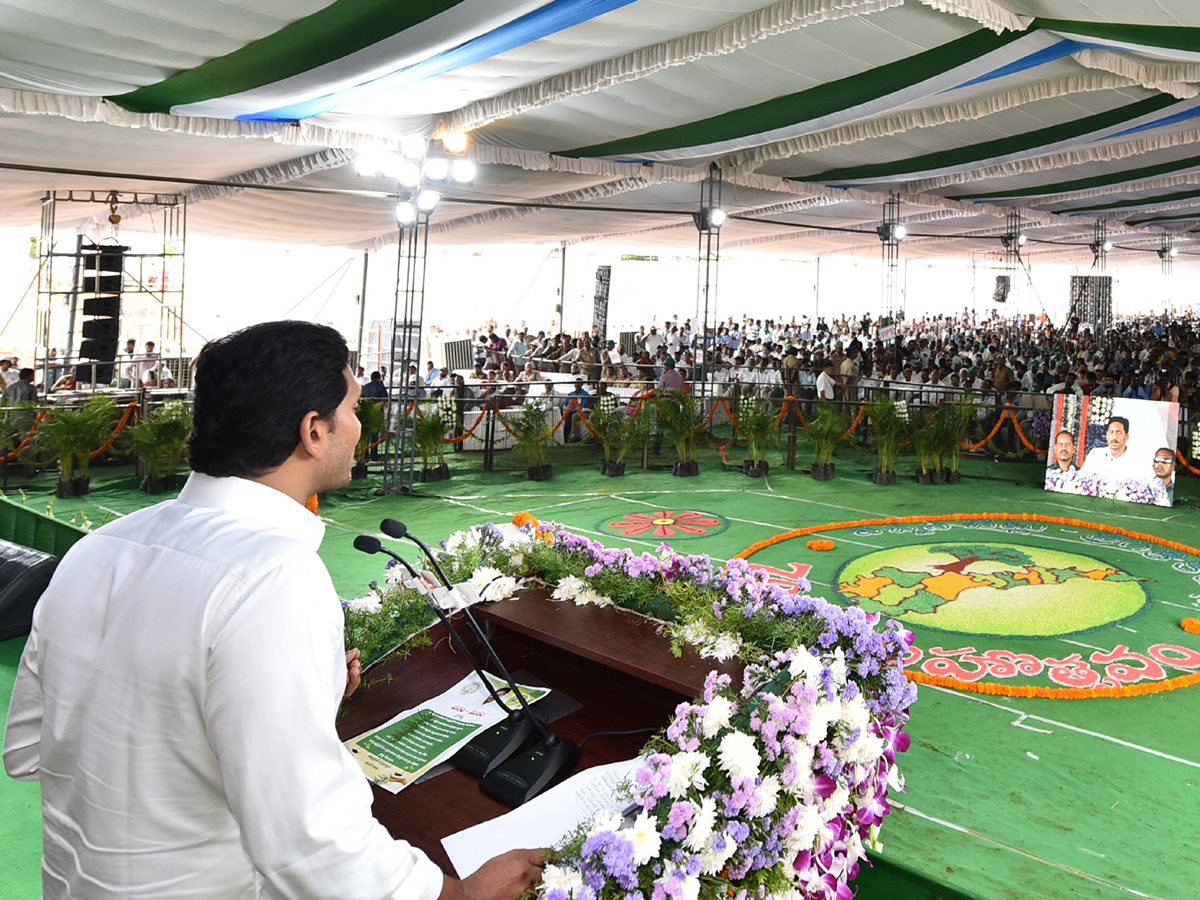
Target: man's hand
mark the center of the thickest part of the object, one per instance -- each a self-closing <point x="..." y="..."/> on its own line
<point x="504" y="877"/>
<point x="353" y="672"/>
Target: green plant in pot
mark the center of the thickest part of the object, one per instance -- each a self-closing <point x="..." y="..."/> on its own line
<point x="619" y="433"/>
<point x="958" y="416"/>
<point x="824" y="430"/>
<point x="146" y="442"/>
<point x="72" y="435"/>
<point x="682" y="424"/>
<point x="926" y="444"/>
<point x="177" y="429"/>
<point x="428" y="432"/>
<point x="890" y="426"/>
<point x="756" y="423"/>
<point x="533" y="433"/>
<point x="371" y="420"/>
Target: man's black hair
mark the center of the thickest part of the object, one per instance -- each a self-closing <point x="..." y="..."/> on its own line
<point x="1124" y="422"/>
<point x="254" y="386"/>
<point x="1067" y="433"/>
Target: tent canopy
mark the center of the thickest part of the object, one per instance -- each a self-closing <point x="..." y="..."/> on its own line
<point x="601" y="119"/>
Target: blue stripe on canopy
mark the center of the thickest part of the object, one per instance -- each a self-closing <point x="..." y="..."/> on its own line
<point x="553" y="17"/>
<point x="1157" y="123"/>
<point x="1041" y="57"/>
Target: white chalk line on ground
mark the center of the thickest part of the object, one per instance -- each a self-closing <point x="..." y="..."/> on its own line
<point x="1063" y="867"/>
<point x="974" y="698"/>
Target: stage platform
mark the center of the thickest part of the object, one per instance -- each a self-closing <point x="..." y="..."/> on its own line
<point x="1007" y="796"/>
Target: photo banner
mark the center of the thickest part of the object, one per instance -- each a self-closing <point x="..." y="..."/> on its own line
<point x="1113" y="448"/>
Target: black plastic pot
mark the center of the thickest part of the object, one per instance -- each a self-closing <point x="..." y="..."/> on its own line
<point x="686" y="469"/>
<point x="538" y="473"/>
<point x="64" y="489"/>
<point x="883" y="477"/>
<point x="822" y="471"/>
<point x="170" y="482"/>
<point x="82" y="486"/>
<point x="357" y="472"/>
<point x="612" y="469"/>
<point x="755" y="468"/>
<point x="152" y="485"/>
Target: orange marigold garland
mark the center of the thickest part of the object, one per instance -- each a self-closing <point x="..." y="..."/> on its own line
<point x="1007" y="690"/>
<point x="311" y="504"/>
<point x="820" y="544"/>
<point x="524" y="518"/>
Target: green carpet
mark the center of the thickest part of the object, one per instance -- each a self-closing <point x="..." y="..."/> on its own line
<point x="1007" y="797"/>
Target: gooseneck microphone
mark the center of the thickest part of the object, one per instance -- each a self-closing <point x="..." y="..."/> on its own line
<point x="536" y="769"/>
<point x="488" y="749"/>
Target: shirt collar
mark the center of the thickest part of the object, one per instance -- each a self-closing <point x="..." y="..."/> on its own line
<point x="251" y="500"/>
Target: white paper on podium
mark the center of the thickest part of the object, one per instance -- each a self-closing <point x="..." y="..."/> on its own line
<point x="543" y="821"/>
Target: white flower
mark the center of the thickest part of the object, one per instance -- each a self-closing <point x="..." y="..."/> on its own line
<point x="606" y="820"/>
<point x="517" y="561"/>
<point x="724" y="646"/>
<point x="837" y="668"/>
<point x="371" y="603"/>
<point x="568" y="587"/>
<point x="716" y="716"/>
<point x="738" y="755"/>
<point x="570" y="880"/>
<point x="835" y="804"/>
<point x="589" y="595"/>
<point x="702" y="825"/>
<point x="805" y="664"/>
<point x="492" y="584"/>
<point x="807" y="828"/>
<point x="712" y="862"/>
<point x="690" y="889"/>
<point x="645" y="837"/>
<point x="396" y="576"/>
<point x="820" y="717"/>
<point x="686" y="773"/>
<point x="768" y="795"/>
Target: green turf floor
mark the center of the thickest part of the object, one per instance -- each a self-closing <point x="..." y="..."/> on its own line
<point x="1006" y="797"/>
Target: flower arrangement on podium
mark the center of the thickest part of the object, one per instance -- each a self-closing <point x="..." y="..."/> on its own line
<point x="771" y="790"/>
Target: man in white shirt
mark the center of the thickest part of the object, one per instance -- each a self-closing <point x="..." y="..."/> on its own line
<point x="176" y="697"/>
<point x="1113" y="463"/>
<point x="826" y="383"/>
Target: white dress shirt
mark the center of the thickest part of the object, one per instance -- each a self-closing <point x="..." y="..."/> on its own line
<point x="176" y="700"/>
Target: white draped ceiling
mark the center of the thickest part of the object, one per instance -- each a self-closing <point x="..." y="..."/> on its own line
<point x="598" y="120"/>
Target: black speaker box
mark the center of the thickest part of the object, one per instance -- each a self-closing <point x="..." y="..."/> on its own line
<point x="102" y="306"/>
<point x="102" y="284"/>
<point x="102" y="329"/>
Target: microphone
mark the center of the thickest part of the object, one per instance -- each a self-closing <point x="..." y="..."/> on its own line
<point x="531" y="772"/>
<point x="490" y="747"/>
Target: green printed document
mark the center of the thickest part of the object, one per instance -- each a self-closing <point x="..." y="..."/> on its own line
<point x="401" y="750"/>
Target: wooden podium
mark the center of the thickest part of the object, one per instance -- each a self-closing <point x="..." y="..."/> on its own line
<point x="617" y="665"/>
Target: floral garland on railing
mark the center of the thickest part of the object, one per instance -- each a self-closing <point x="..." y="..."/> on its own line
<point x="773" y="790"/>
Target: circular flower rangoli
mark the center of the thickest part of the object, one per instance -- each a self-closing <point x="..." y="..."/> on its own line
<point x="667" y="523"/>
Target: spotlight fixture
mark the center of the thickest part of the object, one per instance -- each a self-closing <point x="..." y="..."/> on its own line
<point x="454" y="141"/>
<point x="462" y="171"/>
<point x="427" y="200"/>
<point x="437" y="168"/>
<point x="409" y="173"/>
<point x="412" y="147"/>
<point x="709" y="218"/>
<point x="406" y="212"/>
<point x="369" y="162"/>
<point x="891" y="233"/>
<point x="1098" y="247"/>
<point x="1014" y="241"/>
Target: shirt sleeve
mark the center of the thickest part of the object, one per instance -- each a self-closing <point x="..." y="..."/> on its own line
<point x="23" y="733"/>
<point x="275" y="676"/>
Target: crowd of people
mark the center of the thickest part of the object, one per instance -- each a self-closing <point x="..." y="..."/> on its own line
<point x="1020" y="360"/>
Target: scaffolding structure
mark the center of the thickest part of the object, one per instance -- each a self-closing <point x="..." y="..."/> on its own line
<point x="405" y="354"/>
<point x="132" y="275"/>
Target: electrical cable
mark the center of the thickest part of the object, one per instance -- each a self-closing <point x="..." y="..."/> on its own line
<point x="650" y="730"/>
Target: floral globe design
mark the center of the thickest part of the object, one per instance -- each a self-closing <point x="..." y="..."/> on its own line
<point x="668" y="523"/>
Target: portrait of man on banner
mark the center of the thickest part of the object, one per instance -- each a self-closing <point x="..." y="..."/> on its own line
<point x="1113" y="448"/>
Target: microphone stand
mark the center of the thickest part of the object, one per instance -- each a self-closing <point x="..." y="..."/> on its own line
<point x="531" y="772"/>
<point x="494" y="745"/>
